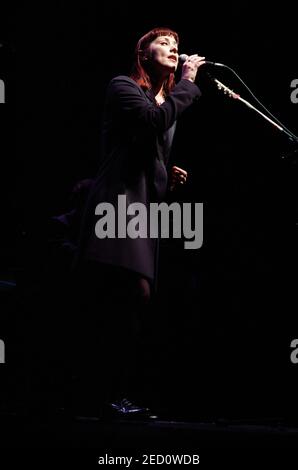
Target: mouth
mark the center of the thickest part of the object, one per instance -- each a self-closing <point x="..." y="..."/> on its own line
<point x="173" y="58"/>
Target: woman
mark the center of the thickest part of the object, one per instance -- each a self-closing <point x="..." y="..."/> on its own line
<point x="140" y="117"/>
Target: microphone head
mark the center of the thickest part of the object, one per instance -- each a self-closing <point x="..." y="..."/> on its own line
<point x="182" y="58"/>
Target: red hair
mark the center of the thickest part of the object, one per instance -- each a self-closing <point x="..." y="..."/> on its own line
<point x="139" y="73"/>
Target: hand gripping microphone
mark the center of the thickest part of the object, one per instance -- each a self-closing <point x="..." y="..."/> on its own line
<point x="184" y="57"/>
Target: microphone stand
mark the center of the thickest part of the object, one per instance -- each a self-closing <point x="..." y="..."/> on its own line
<point x="236" y="96"/>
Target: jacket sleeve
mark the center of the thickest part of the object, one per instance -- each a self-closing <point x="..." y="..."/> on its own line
<point x="128" y="99"/>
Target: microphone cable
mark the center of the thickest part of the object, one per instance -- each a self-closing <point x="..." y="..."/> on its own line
<point x="291" y="134"/>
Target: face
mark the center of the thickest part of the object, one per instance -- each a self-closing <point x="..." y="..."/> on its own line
<point x="163" y="54"/>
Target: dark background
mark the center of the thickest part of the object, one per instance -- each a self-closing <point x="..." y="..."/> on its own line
<point x="226" y="314"/>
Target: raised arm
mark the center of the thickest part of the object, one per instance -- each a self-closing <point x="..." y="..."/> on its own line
<point x="129" y="102"/>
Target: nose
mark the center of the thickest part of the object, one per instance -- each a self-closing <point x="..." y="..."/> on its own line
<point x="174" y="49"/>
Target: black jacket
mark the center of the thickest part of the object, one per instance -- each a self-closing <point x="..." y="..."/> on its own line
<point x="136" y="142"/>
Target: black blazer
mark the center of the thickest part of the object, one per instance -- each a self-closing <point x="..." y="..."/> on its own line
<point x="137" y="136"/>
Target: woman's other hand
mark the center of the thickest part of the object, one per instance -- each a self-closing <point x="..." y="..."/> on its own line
<point x="177" y="177"/>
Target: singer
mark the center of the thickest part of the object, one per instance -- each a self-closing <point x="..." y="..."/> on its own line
<point x="139" y="122"/>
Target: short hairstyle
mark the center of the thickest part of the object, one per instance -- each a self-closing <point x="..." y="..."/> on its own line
<point x="139" y="72"/>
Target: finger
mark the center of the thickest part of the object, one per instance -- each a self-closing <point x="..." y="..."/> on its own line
<point x="177" y="170"/>
<point x="180" y="171"/>
<point x="179" y="181"/>
<point x="192" y="56"/>
<point x="179" y="176"/>
<point x="195" y="57"/>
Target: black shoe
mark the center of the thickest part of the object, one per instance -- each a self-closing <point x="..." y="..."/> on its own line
<point x="127" y="410"/>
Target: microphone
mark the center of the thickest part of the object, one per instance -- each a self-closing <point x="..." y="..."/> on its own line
<point x="184" y="57"/>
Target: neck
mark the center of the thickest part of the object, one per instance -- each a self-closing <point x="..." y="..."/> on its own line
<point x="157" y="81"/>
<point x="157" y="87"/>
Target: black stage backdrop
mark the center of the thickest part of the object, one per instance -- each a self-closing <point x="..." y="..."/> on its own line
<point x="226" y="313"/>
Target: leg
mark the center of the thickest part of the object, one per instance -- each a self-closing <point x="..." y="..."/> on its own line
<point x="109" y="326"/>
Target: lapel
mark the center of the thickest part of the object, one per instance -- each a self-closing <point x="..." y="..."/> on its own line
<point x="150" y="96"/>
